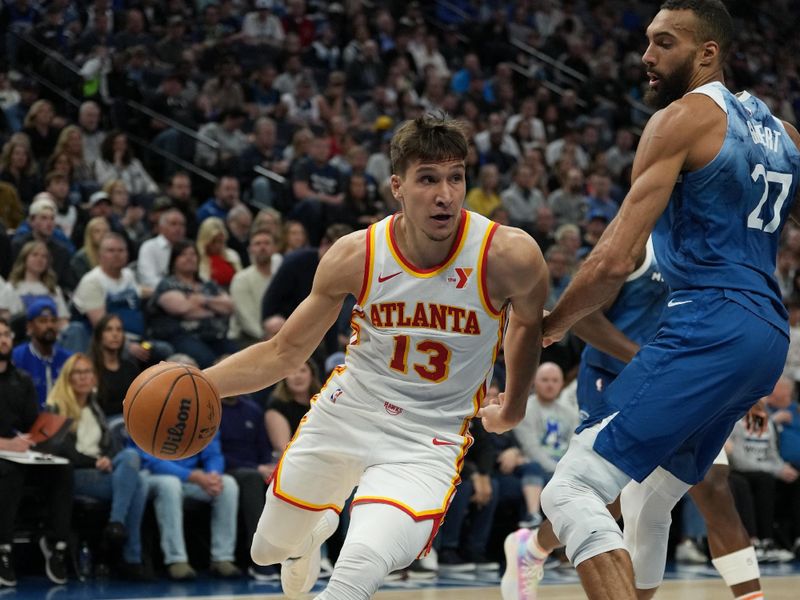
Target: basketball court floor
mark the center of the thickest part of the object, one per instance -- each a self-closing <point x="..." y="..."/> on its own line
<point x="781" y="582"/>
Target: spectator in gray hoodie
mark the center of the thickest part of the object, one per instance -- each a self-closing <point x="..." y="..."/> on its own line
<point x="755" y="458"/>
<point x="543" y="437"/>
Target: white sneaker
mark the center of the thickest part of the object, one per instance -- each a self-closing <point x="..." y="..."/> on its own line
<point x="523" y="571"/>
<point x="775" y="553"/>
<point x="298" y="575"/>
<point x="687" y="552"/>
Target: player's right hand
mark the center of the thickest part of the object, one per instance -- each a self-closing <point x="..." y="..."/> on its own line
<point x="494" y="418"/>
<point x="551" y="331"/>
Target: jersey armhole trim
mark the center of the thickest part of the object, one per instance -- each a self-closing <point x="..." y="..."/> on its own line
<point x="483" y="260"/>
<point x="649" y="254"/>
<point x="369" y="256"/>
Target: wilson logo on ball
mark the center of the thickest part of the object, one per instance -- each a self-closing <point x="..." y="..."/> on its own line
<point x="175" y="433"/>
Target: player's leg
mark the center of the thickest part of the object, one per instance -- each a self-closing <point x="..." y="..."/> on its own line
<point x="646" y="510"/>
<point x="575" y="501"/>
<point x="314" y="477"/>
<point x="284" y="530"/>
<point x="381" y="539"/>
<point x="733" y="554"/>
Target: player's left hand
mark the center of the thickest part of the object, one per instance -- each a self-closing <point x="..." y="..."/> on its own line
<point x="494" y="418"/>
<point x="756" y="419"/>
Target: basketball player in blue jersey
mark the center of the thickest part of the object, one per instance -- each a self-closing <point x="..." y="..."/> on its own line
<point x="614" y="335"/>
<point x="714" y="179"/>
<point x="437" y="287"/>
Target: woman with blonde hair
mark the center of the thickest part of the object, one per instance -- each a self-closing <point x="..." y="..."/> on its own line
<point x="70" y="142"/>
<point x="85" y="259"/>
<point x="218" y="263"/>
<point x="18" y="167"/>
<point x="32" y="277"/>
<point x="40" y="128"/>
<point x="103" y="469"/>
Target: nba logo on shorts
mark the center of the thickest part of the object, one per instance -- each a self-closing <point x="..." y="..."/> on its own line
<point x="392" y="409"/>
<point x="335" y="395"/>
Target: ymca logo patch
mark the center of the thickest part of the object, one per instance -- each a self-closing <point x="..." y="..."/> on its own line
<point x="461" y="277"/>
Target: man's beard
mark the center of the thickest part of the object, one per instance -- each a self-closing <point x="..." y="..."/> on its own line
<point x="47" y="338"/>
<point x="670" y="87"/>
<point x="5" y="356"/>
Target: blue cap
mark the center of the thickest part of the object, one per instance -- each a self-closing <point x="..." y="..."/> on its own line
<point x="40" y="306"/>
<point x="597" y="214"/>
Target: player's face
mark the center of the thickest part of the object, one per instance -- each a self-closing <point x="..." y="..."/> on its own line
<point x="432" y="195"/>
<point x="670" y="56"/>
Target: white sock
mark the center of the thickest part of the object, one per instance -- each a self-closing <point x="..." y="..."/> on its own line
<point x="534" y="548"/>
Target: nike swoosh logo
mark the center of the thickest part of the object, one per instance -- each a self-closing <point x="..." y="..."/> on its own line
<point x="672" y="303"/>
<point x="438" y="442"/>
<point x="381" y="278"/>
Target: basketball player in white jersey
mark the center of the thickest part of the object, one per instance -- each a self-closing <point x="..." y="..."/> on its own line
<point x="436" y="288"/>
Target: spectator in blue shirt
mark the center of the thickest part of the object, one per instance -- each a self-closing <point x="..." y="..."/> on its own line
<point x="226" y="196"/>
<point x="41" y="358"/>
<point x="202" y="478"/>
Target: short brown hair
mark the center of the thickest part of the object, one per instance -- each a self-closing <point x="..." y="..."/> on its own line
<point x="428" y="138"/>
<point x="714" y="20"/>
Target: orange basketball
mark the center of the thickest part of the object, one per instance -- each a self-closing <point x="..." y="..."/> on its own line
<point x="172" y="411"/>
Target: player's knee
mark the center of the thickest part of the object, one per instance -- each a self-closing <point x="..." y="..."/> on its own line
<point x="265" y="552"/>
<point x="713" y="494"/>
<point x="580" y="519"/>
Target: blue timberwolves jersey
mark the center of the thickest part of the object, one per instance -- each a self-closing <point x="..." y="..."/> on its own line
<point x="636" y="312"/>
<point x="723" y="222"/>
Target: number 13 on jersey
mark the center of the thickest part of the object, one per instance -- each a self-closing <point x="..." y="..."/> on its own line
<point x="437" y="367"/>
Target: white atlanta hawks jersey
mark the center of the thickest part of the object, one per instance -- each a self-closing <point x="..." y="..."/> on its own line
<point x="425" y="340"/>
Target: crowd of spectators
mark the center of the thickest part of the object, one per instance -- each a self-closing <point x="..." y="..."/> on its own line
<point x="172" y="173"/>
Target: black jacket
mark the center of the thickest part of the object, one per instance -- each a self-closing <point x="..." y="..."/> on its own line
<point x="109" y="446"/>
<point x="19" y="404"/>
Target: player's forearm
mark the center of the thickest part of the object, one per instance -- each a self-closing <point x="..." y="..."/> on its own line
<point x="522" y="348"/>
<point x="597" y="331"/>
<point x="251" y="369"/>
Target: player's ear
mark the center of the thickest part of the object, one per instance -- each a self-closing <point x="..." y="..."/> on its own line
<point x="710" y="52"/>
<point x="395" y="182"/>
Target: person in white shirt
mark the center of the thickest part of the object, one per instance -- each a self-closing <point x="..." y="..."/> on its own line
<point x="250" y="284"/>
<point x="111" y="287"/>
<point x="153" y="260"/>
<point x="262" y="26"/>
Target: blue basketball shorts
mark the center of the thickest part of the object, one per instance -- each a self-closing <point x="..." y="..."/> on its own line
<point x="593" y="403"/>
<point x="680" y="397"/>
